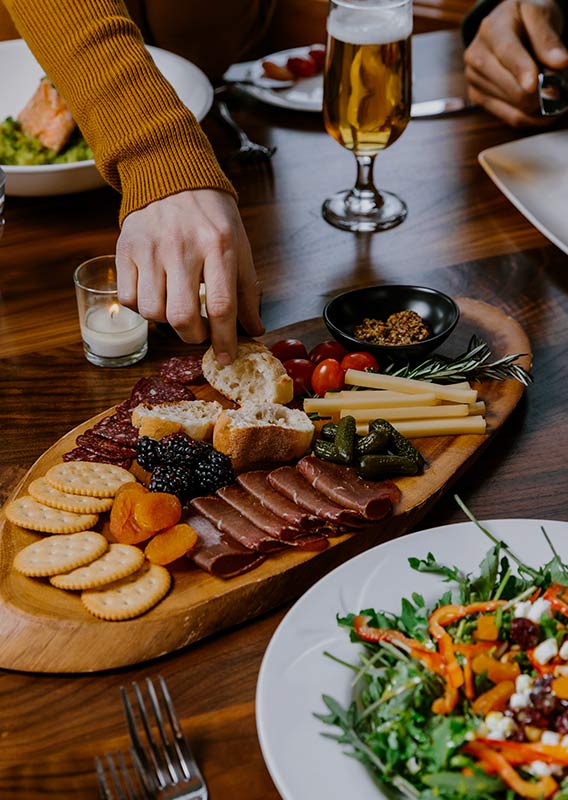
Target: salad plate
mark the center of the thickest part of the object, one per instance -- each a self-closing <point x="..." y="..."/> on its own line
<point x="295" y="673"/>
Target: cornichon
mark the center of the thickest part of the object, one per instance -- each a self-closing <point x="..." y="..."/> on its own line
<point x="397" y="442"/>
<point x="327" y="451"/>
<point x="328" y="431"/>
<point x="375" y="467"/>
<point x="374" y="442"/>
<point x="345" y="438"/>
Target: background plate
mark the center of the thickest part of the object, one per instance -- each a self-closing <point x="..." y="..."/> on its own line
<point x="533" y="174"/>
<point x="294" y="672"/>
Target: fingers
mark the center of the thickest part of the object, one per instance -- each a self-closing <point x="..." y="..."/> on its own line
<point x="183" y="307"/>
<point x="510" y="114"/>
<point x="248" y="292"/>
<point x="543" y="26"/>
<point x="126" y="279"/>
<point x="220" y="275"/>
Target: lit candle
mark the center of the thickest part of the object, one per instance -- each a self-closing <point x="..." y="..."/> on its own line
<point x="112" y="331"/>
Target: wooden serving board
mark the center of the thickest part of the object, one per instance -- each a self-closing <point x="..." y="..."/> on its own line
<point x="43" y="629"/>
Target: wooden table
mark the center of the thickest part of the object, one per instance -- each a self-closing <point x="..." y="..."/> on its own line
<point x="461" y="236"/>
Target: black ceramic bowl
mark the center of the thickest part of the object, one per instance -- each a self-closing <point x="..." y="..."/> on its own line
<point x="347" y="310"/>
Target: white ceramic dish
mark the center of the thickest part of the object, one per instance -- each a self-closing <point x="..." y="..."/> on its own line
<point x="294" y="672"/>
<point x="306" y="94"/>
<point x="16" y="60"/>
<point x="533" y="174"/>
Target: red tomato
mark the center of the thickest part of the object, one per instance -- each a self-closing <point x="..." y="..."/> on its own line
<point x="327" y="376"/>
<point x="330" y="349"/>
<point x="286" y="349"/>
<point x="301" y="67"/>
<point x="317" y="54"/>
<point x="300" y="370"/>
<point x="360" y="361"/>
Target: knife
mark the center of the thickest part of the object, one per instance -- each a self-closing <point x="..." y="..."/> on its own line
<point x="440" y="107"/>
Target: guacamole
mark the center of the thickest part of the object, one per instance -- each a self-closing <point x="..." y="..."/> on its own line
<point x="19" y="149"/>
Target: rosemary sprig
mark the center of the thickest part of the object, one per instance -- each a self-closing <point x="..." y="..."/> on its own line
<point x="472" y="365"/>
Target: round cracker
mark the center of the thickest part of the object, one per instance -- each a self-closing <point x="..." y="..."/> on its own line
<point x="89" y="478"/>
<point x="28" y="513"/>
<point x="56" y="554"/>
<point x="45" y="493"/>
<point x="119" y="561"/>
<point x="131" y="596"/>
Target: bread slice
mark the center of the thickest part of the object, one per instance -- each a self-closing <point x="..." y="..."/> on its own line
<point x="254" y="375"/>
<point x="261" y="433"/>
<point x="197" y="418"/>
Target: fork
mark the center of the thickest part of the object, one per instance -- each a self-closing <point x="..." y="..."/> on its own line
<point x="117" y="781"/>
<point x="166" y="766"/>
<point x="248" y="151"/>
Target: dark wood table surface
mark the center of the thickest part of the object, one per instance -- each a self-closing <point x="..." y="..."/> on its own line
<point x="461" y="236"/>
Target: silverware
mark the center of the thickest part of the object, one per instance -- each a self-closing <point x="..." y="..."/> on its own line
<point x="248" y="151"/>
<point x="165" y="762"/>
<point x="119" y="780"/>
<point x="440" y="107"/>
<point x="553" y="92"/>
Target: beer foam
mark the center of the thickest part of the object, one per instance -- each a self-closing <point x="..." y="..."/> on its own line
<point x="371" y="25"/>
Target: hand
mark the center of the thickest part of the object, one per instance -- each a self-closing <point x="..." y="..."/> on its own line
<point x="168" y="248"/>
<point x="502" y="62"/>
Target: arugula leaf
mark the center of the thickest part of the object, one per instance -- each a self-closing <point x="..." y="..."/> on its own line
<point x="484" y="585"/>
<point x="454" y="784"/>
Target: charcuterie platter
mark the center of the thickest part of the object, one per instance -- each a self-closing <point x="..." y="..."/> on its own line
<point x="45" y="630"/>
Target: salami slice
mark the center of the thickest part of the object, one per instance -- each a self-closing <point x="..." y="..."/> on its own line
<point x="289" y="482"/>
<point x="152" y="391"/>
<point x="82" y="454"/>
<point x="104" y="447"/>
<point x="117" y="430"/>
<point x="182" y="369"/>
<point x="372" y="499"/>
<point x="251" y="508"/>
<point x="123" y="411"/>
<point x="228" y="520"/>
<point x="219" y="554"/>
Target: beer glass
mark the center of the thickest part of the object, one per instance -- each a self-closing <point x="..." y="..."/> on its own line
<point x="366" y="102"/>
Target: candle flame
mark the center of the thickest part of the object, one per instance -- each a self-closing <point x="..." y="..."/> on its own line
<point x="113" y="310"/>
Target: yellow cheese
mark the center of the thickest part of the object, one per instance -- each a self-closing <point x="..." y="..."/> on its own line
<point x="416" y="428"/>
<point x="332" y="404"/>
<point x="373" y="380"/>
<point x="412" y="412"/>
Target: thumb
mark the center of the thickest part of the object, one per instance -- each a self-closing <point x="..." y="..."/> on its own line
<point x="543" y="25"/>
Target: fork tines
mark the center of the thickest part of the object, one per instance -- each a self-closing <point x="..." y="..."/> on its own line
<point x="117" y="780"/>
<point x="163" y="757"/>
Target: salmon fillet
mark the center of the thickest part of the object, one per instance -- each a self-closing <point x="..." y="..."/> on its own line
<point x="47" y="117"/>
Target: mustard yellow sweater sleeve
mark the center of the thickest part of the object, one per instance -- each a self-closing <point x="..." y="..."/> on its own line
<point x="147" y="144"/>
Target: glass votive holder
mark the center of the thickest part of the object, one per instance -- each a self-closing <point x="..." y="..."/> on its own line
<point x="113" y="335"/>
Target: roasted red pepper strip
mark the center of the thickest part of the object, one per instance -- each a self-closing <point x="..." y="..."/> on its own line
<point x="525" y="752"/>
<point x="557" y="596"/>
<point x="491" y="761"/>
<point x="418" y="650"/>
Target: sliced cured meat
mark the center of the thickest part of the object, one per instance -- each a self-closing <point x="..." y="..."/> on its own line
<point x="372" y="499"/>
<point x="228" y="520"/>
<point x="118" y="430"/>
<point x="219" y="554"/>
<point x="289" y="482"/>
<point x="82" y="454"/>
<point x="251" y="508"/>
<point x="105" y="447"/>
<point x="182" y="369"/>
<point x="256" y="482"/>
<point x="153" y="391"/>
<point x="123" y="411"/>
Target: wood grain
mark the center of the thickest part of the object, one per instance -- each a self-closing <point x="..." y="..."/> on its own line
<point x="43" y="629"/>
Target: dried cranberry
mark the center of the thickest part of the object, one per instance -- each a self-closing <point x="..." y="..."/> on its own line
<point x="524" y="632"/>
<point x="531" y="716"/>
<point x="544" y="700"/>
<point x="561" y="723"/>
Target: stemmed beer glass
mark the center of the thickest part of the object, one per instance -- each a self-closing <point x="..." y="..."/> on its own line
<point x="366" y="102"/>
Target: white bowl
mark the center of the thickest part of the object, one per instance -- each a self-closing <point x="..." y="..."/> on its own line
<point x="16" y="60"/>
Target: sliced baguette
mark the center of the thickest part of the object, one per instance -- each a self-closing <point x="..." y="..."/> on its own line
<point x="254" y="375"/>
<point x="195" y="417"/>
<point x="261" y="433"/>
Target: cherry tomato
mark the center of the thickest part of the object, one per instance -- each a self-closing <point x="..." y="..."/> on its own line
<point x="330" y="349"/>
<point x="301" y="67"/>
<point x="300" y="370"/>
<point x="317" y="54"/>
<point x="327" y="376"/>
<point x="360" y="361"/>
<point x="286" y="349"/>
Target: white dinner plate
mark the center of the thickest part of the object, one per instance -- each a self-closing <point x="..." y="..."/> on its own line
<point x="306" y="94"/>
<point x="16" y="60"/>
<point x="295" y="673"/>
<point x="533" y="174"/>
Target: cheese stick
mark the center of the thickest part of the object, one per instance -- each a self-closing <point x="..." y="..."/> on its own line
<point x="417" y="412"/>
<point x="333" y="404"/>
<point x="417" y="428"/>
<point x="373" y="380"/>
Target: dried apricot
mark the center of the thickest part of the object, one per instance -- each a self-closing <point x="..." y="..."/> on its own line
<point x="171" y="543"/>
<point x="156" y="510"/>
<point x="122" y="525"/>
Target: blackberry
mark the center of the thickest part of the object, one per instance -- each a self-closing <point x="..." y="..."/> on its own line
<point x="174" y="480"/>
<point x="212" y="471"/>
<point x="181" y="450"/>
<point x="148" y="453"/>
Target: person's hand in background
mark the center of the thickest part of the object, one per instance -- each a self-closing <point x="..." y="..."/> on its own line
<point x="503" y="60"/>
<point x="168" y="248"/>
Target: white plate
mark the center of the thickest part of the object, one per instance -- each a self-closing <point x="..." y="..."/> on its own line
<point x="305" y="95"/>
<point x="294" y="673"/>
<point x="16" y="60"/>
<point x="533" y="174"/>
